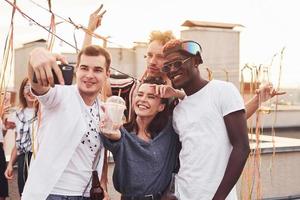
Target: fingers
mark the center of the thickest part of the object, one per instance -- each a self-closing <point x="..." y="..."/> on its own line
<point x="56" y="70"/>
<point x="58" y="73"/>
<point x="103" y="108"/>
<point x="98" y="10"/>
<point x="46" y="75"/>
<point x="42" y="62"/>
<point x="101" y="14"/>
<point x="280" y="93"/>
<point x="61" y="58"/>
<point x="37" y="76"/>
<point x="162" y="91"/>
<point x="156" y="89"/>
<point x="276" y="93"/>
<point x="95" y="18"/>
<point x="9" y="174"/>
<point x="159" y="90"/>
<point x="99" y="18"/>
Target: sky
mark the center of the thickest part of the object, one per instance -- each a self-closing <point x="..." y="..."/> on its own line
<point x="270" y="25"/>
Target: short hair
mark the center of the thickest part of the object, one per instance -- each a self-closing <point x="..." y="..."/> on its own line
<point x="172" y="44"/>
<point x="95" y="50"/>
<point x="162" y="37"/>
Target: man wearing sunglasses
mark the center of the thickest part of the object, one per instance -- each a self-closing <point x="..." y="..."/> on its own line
<point x="154" y="60"/>
<point x="125" y="87"/>
<point x="211" y="124"/>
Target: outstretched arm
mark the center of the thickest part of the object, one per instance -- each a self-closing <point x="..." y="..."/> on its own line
<point x="94" y="22"/>
<point x="237" y="132"/>
<point x="263" y="94"/>
<point x="43" y="63"/>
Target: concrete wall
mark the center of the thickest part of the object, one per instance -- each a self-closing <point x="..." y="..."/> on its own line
<point x="278" y="179"/>
<point x="21" y="60"/>
<point x="221" y="51"/>
<point x="140" y="52"/>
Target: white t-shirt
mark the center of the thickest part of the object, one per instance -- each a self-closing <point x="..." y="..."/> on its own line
<point x="24" y="119"/>
<point x="79" y="170"/>
<point x="198" y="119"/>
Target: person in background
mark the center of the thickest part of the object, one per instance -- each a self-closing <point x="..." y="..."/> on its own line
<point x="3" y="180"/>
<point x="5" y="106"/>
<point x="263" y="94"/>
<point x="24" y="120"/>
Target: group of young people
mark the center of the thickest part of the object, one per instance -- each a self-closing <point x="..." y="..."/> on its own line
<point x="179" y="124"/>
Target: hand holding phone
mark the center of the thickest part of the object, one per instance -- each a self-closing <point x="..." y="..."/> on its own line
<point x="67" y="72"/>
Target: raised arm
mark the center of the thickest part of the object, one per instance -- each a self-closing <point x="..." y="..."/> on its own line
<point x="237" y="132"/>
<point x="263" y="94"/>
<point x="42" y="63"/>
<point x="94" y="22"/>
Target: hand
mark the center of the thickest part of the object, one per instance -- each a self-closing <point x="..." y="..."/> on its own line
<point x="167" y="91"/>
<point x="9" y="172"/>
<point x="169" y="196"/>
<point x="9" y="125"/>
<point x="267" y="91"/>
<point x="106" y="195"/>
<point x="96" y="19"/>
<point x="41" y="62"/>
<point x="108" y="128"/>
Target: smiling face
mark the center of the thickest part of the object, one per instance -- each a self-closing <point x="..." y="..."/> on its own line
<point x="91" y="75"/>
<point x="183" y="75"/>
<point x="155" y="58"/>
<point x="27" y="94"/>
<point x="146" y="103"/>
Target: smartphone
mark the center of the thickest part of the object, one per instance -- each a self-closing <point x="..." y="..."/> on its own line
<point x="67" y="71"/>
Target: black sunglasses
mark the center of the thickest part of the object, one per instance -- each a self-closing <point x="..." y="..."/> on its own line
<point x="177" y="64"/>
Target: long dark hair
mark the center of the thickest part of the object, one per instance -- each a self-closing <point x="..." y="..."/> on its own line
<point x="159" y="121"/>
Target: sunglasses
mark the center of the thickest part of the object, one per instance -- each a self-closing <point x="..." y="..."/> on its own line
<point x="191" y="47"/>
<point x="26" y="88"/>
<point x="177" y="64"/>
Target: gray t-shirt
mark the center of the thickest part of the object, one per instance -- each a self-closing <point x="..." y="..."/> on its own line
<point x="141" y="167"/>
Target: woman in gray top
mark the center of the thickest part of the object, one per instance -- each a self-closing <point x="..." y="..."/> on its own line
<point x="145" y="150"/>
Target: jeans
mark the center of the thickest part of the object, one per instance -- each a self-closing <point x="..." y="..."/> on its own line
<point x="23" y="165"/>
<point x="64" y="197"/>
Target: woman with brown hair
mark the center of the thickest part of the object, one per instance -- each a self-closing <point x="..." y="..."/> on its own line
<point x="145" y="150"/>
<point x="25" y="120"/>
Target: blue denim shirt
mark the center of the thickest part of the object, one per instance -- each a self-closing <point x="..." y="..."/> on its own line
<point x="141" y="167"/>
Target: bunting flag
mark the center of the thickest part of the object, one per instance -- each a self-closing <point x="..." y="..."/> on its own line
<point x="52" y="29"/>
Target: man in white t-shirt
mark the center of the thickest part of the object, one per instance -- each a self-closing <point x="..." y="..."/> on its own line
<point x="211" y="125"/>
<point x="68" y="136"/>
